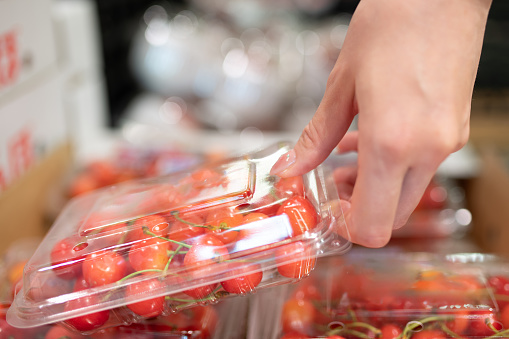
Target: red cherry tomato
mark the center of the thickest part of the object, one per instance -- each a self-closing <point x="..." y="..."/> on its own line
<point x="206" y="251"/>
<point x="80" y="284"/>
<point x="86" y="322"/>
<point x="460" y="322"/>
<point x="299" y="268"/>
<point x="499" y="283"/>
<point x="302" y="214"/>
<point x="7" y="331"/>
<point x="253" y="216"/>
<point x="183" y="231"/>
<point x="250" y="277"/>
<point x="481" y="323"/>
<point x="500" y="286"/>
<point x="268" y="204"/>
<point x="149" y="254"/>
<point x="390" y="331"/>
<point x="298" y="315"/>
<point x="251" y="232"/>
<point x="204" y="321"/>
<point x="429" y="334"/>
<point x="200" y="260"/>
<point x="288" y="187"/>
<point x="104" y="172"/>
<point x="66" y="258"/>
<point x="102" y="268"/>
<point x="224" y="219"/>
<point x="175" y="321"/>
<point x="146" y="308"/>
<point x="504" y="316"/>
<point x="201" y="292"/>
<point x="155" y="224"/>
<point x="308" y="289"/>
<point x="83" y="183"/>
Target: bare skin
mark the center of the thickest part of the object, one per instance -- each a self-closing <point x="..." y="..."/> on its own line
<point x="407" y="69"/>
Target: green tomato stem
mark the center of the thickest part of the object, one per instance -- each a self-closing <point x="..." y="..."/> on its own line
<point x="146" y="231"/>
<point x="490" y="326"/>
<point x="171" y="258"/>
<point x="170" y="252"/>
<point x="358" y="334"/>
<point x="412" y="326"/>
<point x="498" y="334"/>
<point x="364" y="325"/>
<point x="177" y="216"/>
<point x="191" y="301"/>
<point x="449" y="332"/>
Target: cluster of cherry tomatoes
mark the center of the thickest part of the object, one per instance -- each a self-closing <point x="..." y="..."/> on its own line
<point x="196" y="323"/>
<point x="432" y="304"/>
<point x="178" y="247"/>
<point x="128" y="164"/>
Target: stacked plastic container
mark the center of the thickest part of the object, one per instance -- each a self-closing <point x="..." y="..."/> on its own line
<point x="390" y="295"/>
<point x="150" y="250"/>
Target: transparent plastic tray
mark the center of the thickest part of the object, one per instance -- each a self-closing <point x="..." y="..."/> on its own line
<point x="389" y="295"/>
<point x="153" y="247"/>
<point x="226" y="320"/>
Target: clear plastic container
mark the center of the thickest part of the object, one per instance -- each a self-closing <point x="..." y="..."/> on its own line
<point x="153" y="247"/>
<point x="389" y="295"/>
<point x="226" y="320"/>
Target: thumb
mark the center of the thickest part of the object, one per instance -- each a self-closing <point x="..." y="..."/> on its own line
<point x="322" y="134"/>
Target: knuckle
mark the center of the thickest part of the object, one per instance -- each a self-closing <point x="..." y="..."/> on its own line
<point x="334" y="76"/>
<point x="394" y="150"/>
<point x="311" y="137"/>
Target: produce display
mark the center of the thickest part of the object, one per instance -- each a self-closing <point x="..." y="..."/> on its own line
<point x="223" y="321"/>
<point x="157" y="247"/>
<point x="125" y="164"/>
<point x="405" y="295"/>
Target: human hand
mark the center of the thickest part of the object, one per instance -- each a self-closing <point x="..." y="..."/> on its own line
<point x="407" y="69"/>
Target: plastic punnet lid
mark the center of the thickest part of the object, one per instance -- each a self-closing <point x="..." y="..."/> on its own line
<point x="152" y="247"/>
<point x="380" y="294"/>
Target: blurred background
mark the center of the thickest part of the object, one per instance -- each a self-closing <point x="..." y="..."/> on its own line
<point x="97" y="92"/>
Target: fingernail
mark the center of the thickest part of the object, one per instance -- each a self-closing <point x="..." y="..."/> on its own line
<point x="284" y="162"/>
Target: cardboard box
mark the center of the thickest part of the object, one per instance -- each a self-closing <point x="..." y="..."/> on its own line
<point x="31" y="127"/>
<point x="488" y="200"/>
<point x="489" y="123"/>
<point x="27" y="44"/>
<point x="22" y="205"/>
